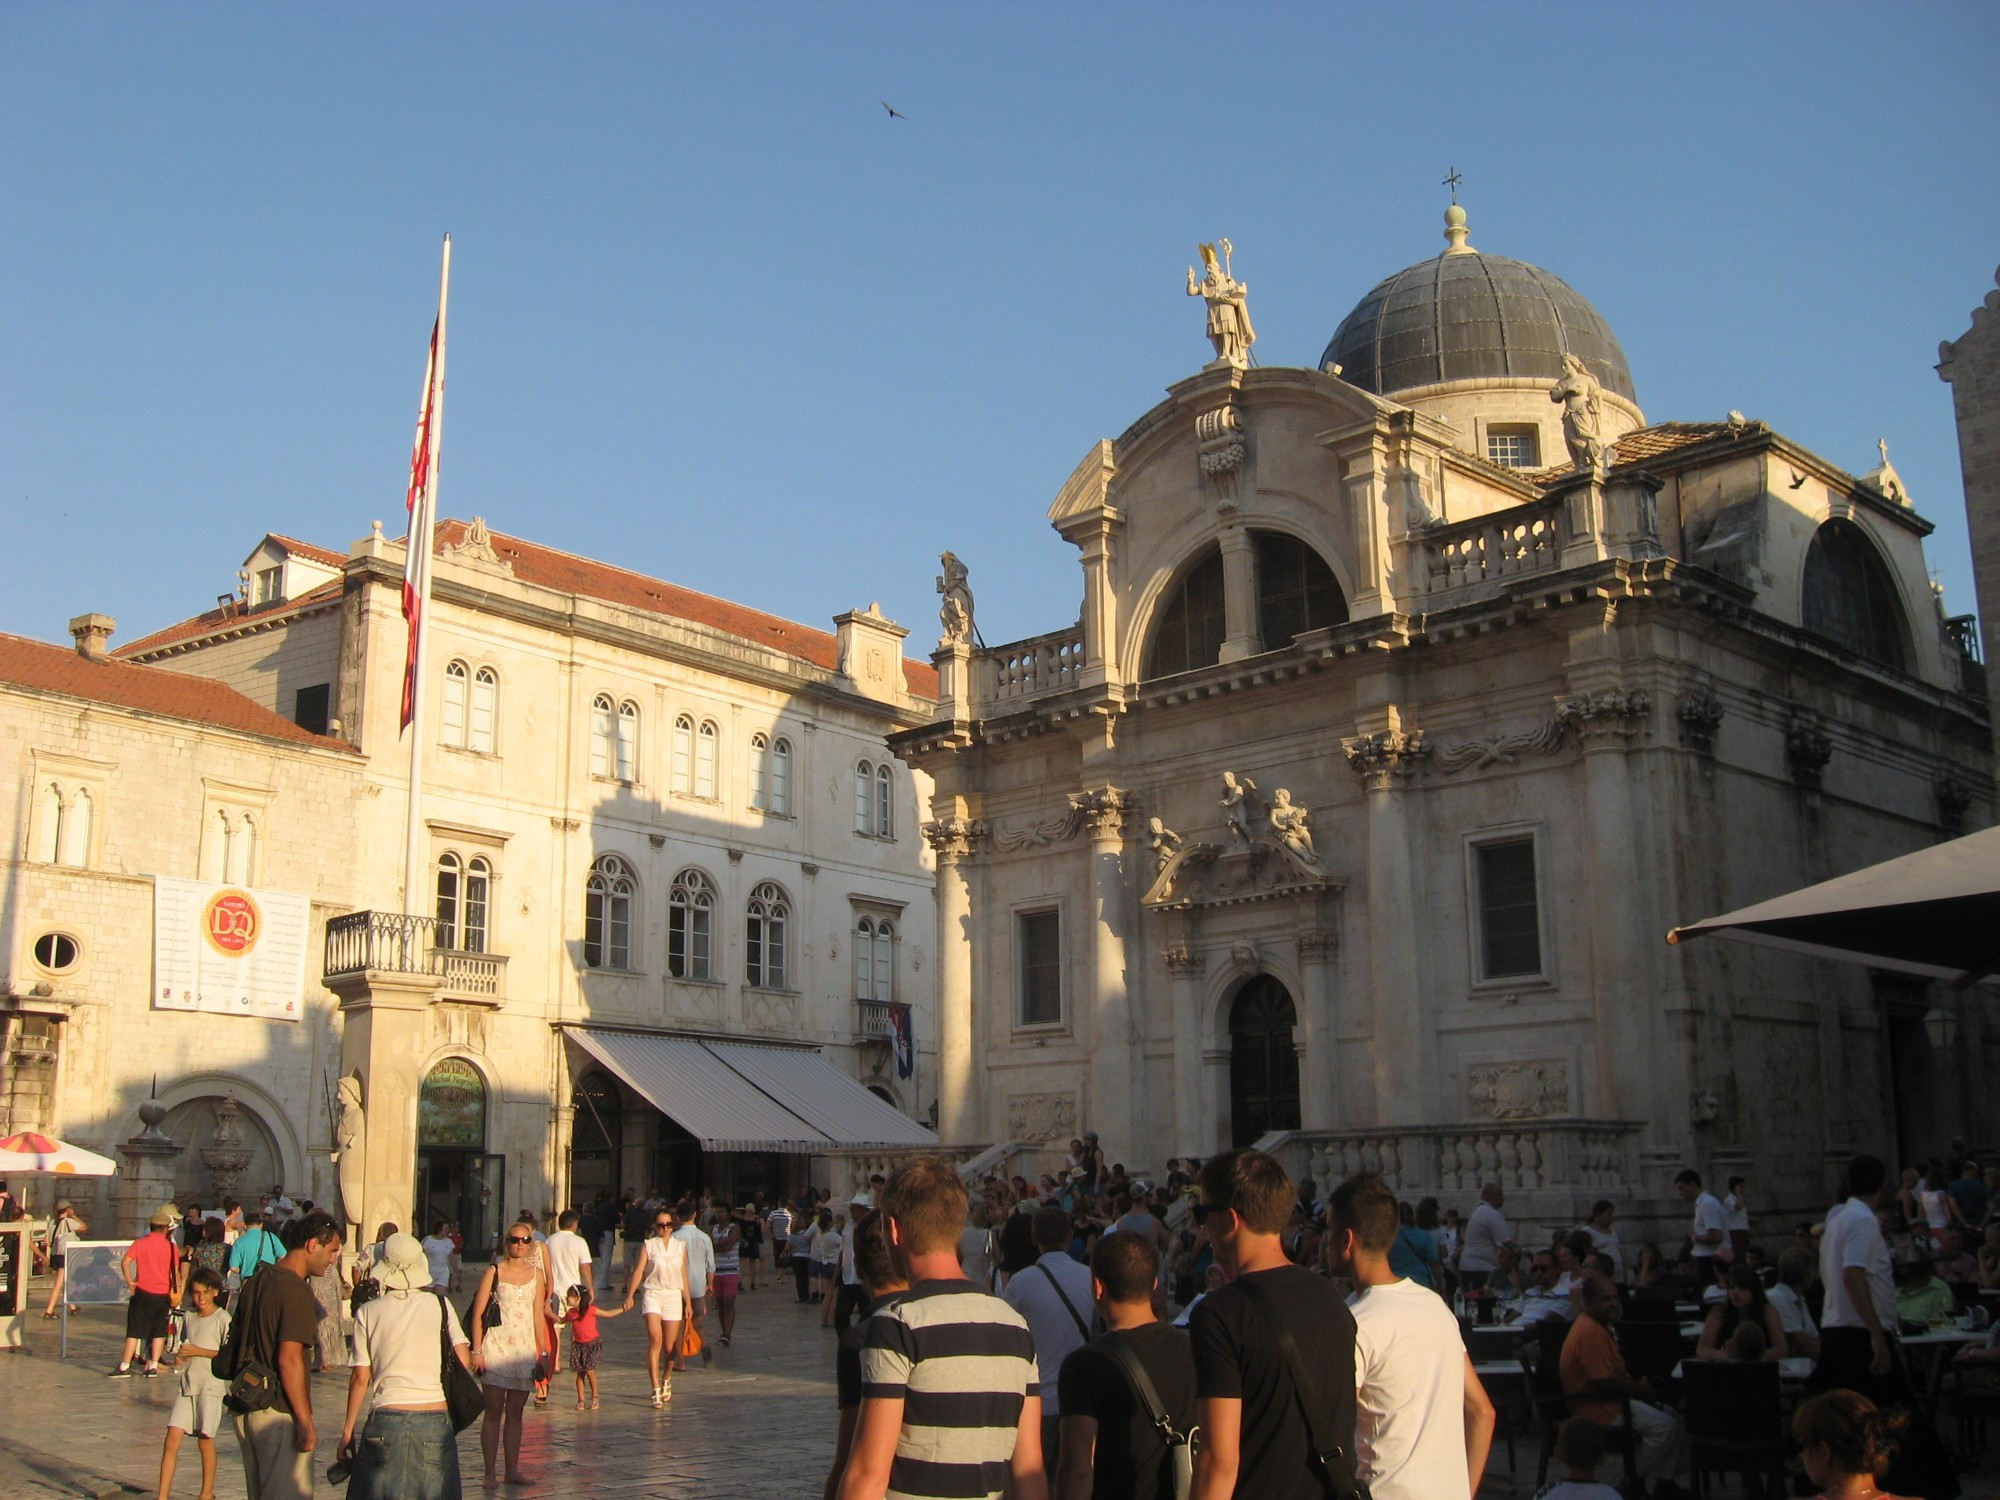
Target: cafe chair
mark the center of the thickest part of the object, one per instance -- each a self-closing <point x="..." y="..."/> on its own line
<point x="1734" y="1423"/>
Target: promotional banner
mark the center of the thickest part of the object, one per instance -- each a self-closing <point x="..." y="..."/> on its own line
<point x="226" y="948"/>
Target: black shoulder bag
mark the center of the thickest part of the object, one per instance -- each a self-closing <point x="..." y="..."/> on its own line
<point x="1179" y="1445"/>
<point x="1333" y="1464"/>
<point x="464" y="1400"/>
<point x="253" y="1385"/>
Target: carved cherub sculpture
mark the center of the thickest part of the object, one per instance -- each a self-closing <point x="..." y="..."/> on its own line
<point x="1293" y="825"/>
<point x="1163" y="841"/>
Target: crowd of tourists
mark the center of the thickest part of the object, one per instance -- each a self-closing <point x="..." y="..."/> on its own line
<point x="1223" y="1331"/>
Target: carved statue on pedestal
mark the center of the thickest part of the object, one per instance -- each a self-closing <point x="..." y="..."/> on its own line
<point x="1293" y="826"/>
<point x="350" y="1131"/>
<point x="1163" y="841"/>
<point x="1228" y="306"/>
<point x="955" y="614"/>
<point x="1582" y="401"/>
<point x="1238" y="804"/>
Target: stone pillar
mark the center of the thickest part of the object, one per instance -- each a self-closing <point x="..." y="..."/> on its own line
<point x="1109" y="999"/>
<point x="1191" y="1123"/>
<point x="385" y="1032"/>
<point x="147" y="1178"/>
<point x="960" y="1121"/>
<point x="1214" y="1094"/>
<point x="1319" y="1066"/>
<point x="1241" y="637"/>
<point x="1385" y="760"/>
<point x="953" y="660"/>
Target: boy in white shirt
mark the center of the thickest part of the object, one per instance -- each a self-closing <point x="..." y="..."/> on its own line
<point x="1423" y="1424"/>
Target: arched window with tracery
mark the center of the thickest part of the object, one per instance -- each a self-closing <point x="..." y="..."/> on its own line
<point x="885" y="802"/>
<point x="781" y="777"/>
<point x="484" y="717"/>
<point x="49" y="825"/>
<point x="451" y="705"/>
<point x="682" y="772"/>
<point x="705" y="758"/>
<point x="628" y="741"/>
<point x="1848" y="597"/>
<point x="766" y="937"/>
<point x="691" y="926"/>
<point x="603" y="735"/>
<point x="1191" y="625"/>
<point x="875" y="959"/>
<point x="1296" y="591"/>
<point x="607" y="914"/>
<point x="464" y="889"/>
<point x="864" y="797"/>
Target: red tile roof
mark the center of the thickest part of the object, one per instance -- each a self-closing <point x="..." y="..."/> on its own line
<point x="213" y="620"/>
<point x="308" y="550"/>
<point x="569" y="574"/>
<point x="44" y="668"/>
<point x="1647" y="444"/>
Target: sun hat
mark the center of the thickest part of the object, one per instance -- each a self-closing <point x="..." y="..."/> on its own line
<point x="861" y="1199"/>
<point x="165" y="1216"/>
<point x="403" y="1267"/>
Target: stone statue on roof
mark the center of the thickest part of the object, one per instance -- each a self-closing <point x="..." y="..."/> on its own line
<point x="1228" y="306"/>
<point x="1582" y="400"/>
<point x="955" y="614"/>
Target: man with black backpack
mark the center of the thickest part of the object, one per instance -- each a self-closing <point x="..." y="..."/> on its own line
<point x="1127" y="1396"/>
<point x="1273" y="1426"/>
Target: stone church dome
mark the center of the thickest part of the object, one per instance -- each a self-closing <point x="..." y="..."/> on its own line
<point x="1465" y="315"/>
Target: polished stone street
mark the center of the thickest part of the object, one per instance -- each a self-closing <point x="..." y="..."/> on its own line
<point x="758" y="1422"/>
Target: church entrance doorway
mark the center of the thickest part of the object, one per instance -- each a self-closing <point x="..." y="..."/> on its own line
<point x="1263" y="1062"/>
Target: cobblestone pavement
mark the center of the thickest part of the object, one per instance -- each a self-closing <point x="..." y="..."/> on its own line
<point x="758" y="1422"/>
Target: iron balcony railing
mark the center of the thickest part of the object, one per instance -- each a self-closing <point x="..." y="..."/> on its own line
<point x="394" y="943"/>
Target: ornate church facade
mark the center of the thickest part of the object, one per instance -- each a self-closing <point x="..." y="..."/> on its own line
<point x="1413" y="700"/>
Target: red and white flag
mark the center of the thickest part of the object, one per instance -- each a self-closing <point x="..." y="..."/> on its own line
<point x="422" y="505"/>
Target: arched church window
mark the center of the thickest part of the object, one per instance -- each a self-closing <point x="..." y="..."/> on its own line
<point x="1191" y="626"/>
<point x="1296" y="591"/>
<point x="1848" y="597"/>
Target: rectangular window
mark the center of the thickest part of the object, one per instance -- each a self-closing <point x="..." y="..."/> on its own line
<point x="269" y="586"/>
<point x="1038" y="954"/>
<point x="1510" y="930"/>
<point x="1514" y="447"/>
<point x="309" y="707"/>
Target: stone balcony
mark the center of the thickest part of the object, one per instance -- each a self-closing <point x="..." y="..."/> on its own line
<point x="1027" y="669"/>
<point x="1523" y="539"/>
<point x="364" y="942"/>
<point x="871" y="1021"/>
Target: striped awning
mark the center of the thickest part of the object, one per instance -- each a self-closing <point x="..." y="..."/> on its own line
<point x="738" y="1096"/>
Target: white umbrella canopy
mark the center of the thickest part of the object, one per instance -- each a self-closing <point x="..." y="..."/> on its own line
<point x="30" y="1154"/>
<point x="1935" y="913"/>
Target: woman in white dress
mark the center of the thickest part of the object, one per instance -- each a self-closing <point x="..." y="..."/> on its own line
<point x="660" y="1286"/>
<point x="506" y="1355"/>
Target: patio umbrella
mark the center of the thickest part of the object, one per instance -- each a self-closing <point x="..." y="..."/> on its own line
<point x="1935" y="913"/>
<point x="32" y="1155"/>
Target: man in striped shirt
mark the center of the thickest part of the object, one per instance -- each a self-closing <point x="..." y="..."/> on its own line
<point x="950" y="1409"/>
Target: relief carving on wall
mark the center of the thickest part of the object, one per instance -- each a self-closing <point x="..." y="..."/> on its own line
<point x="1041" y="1117"/>
<point x="1518" y="1090"/>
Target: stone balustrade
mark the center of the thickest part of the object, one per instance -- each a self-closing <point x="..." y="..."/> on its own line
<point x="1524" y="539"/>
<point x="1522" y="1156"/>
<point x="1028" y="669"/>
<point x="394" y="943"/>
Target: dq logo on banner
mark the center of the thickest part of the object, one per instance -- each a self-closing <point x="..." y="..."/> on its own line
<point x="224" y="948"/>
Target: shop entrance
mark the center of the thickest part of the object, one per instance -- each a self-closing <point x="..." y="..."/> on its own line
<point x="457" y="1178"/>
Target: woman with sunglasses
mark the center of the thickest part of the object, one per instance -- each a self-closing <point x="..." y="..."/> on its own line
<point x="508" y="1353"/>
<point x="660" y="1277"/>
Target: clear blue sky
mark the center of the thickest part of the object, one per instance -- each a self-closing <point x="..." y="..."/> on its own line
<point x="715" y="316"/>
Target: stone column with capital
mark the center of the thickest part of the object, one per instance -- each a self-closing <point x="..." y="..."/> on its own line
<point x="1109" y="997"/>
<point x="960" y="1120"/>
<point x="385" y="1029"/>
<point x="1191" y="1125"/>
<point x="1241" y="636"/>
<point x="1319" y="1067"/>
<point x="1386" y="760"/>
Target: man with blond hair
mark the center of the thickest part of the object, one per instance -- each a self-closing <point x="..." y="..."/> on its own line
<point x="949" y="1403"/>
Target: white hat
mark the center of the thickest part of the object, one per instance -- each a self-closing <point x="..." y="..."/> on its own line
<point x="862" y="1199"/>
<point x="403" y="1267"/>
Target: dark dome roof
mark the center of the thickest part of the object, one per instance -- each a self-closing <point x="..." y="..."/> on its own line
<point x="1468" y="316"/>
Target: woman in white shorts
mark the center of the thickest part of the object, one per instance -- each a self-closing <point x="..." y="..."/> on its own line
<point x="659" y="1285"/>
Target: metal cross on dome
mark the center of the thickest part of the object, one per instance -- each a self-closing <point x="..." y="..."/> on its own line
<point x="1452" y="179"/>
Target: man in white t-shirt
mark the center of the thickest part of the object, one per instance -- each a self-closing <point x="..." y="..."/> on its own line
<point x="570" y="1260"/>
<point x="1422" y="1423"/>
<point x="1859" y="1318"/>
<point x="1603" y="1238"/>
<point x="278" y="1209"/>
<point x="701" y="1271"/>
<point x="1485" y="1232"/>
<point x="1710" y="1234"/>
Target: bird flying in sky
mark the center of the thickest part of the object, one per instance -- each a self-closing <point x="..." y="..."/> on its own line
<point x="894" y="114"/>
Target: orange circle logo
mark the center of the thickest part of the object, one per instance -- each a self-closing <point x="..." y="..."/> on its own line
<point x="231" y="923"/>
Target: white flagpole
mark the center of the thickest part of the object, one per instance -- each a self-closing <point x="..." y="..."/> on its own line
<point x="417" y="555"/>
